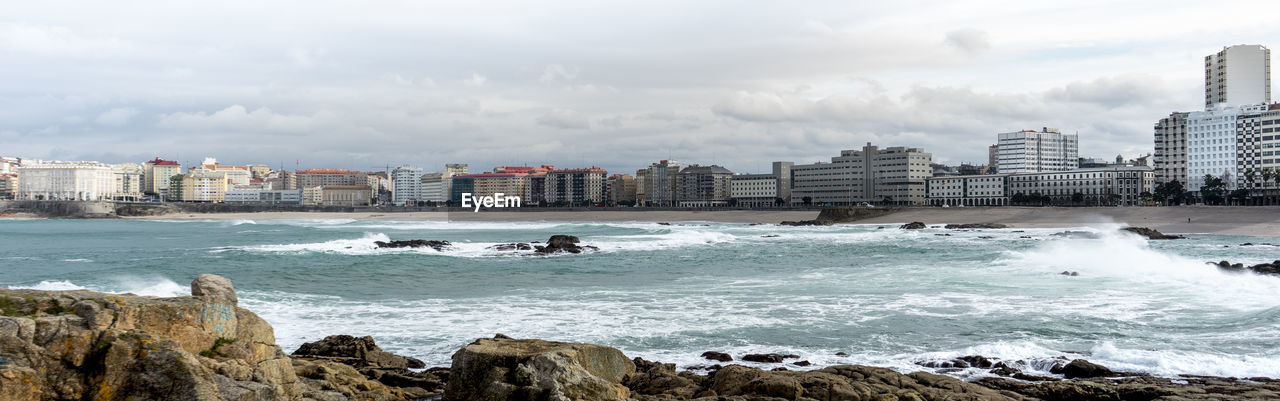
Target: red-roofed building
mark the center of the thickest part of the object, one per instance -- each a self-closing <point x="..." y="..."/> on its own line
<point x="156" y="174"/>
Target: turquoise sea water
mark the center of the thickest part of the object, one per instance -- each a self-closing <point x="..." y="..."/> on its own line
<point x="887" y="297"/>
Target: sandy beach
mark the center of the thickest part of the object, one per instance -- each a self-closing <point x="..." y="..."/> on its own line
<point x="1257" y="221"/>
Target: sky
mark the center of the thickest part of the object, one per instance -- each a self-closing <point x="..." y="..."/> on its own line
<point x="619" y="85"/>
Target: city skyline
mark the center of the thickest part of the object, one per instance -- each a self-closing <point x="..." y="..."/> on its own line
<point x="583" y="84"/>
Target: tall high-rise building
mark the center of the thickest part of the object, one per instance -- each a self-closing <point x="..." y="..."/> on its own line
<point x="575" y="186"/>
<point x="993" y="159"/>
<point x="406" y="185"/>
<point x="1257" y="147"/>
<point x="1171" y="148"/>
<point x="1237" y="75"/>
<point x="1030" y="151"/>
<point x="867" y="175"/>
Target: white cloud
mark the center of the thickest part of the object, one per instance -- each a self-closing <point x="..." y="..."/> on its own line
<point x="238" y="118"/>
<point x="567" y="119"/>
<point x="116" y="117"/>
<point x="969" y="40"/>
<point x="475" y="80"/>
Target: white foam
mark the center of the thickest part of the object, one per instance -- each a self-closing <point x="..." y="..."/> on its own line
<point x="50" y="285"/>
<point x="78" y="260"/>
<point x="357" y="246"/>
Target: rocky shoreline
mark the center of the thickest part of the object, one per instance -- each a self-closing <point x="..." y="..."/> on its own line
<point x="82" y="345"/>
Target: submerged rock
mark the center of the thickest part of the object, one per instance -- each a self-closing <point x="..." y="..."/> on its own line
<point x="511" y="369"/>
<point x="416" y="243"/>
<point x="1069" y="273"/>
<point x="717" y="356"/>
<point x="915" y="225"/>
<point x="975" y="225"/>
<point x="1150" y="233"/>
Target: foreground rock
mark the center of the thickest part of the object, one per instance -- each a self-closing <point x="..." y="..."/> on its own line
<point x="975" y="226"/>
<point x="415" y="243"/>
<point x="1150" y="233"/>
<point x="915" y="225"/>
<point x="502" y="368"/>
<point x="1272" y="268"/>
<point x="562" y="244"/>
<point x="65" y="345"/>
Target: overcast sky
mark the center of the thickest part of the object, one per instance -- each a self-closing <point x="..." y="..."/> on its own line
<point x="613" y="84"/>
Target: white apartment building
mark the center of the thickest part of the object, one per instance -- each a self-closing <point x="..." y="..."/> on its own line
<point x="406" y="185"/>
<point x="434" y="186"/>
<point x="82" y="181"/>
<point x="968" y="190"/>
<point x="1107" y="185"/>
<point x="265" y="196"/>
<point x="1211" y="144"/>
<point x="1030" y="151"/>
<point x="755" y="190"/>
<point x="1237" y="75"/>
<point x="868" y="175"/>
<point x="1171" y="148"/>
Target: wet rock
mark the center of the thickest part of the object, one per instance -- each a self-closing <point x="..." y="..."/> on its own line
<point x="763" y="358"/>
<point x="943" y="235"/>
<point x="1079" y="368"/>
<point x="1150" y="233"/>
<point x="511" y="369"/>
<point x="975" y="225"/>
<point x="655" y="379"/>
<point x="214" y="287"/>
<point x="1069" y="273"/>
<point x="717" y="356"/>
<point x="1272" y="269"/>
<point x="841" y="354"/>
<point x="416" y="243"/>
<point x="801" y="363"/>
<point x="915" y="225"/>
<point x="770" y="236"/>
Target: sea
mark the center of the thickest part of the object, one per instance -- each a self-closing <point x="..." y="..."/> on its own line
<point x="845" y="294"/>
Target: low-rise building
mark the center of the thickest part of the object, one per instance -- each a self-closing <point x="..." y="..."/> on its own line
<point x="8" y="185"/>
<point x="337" y="195"/>
<point x="1097" y="186"/>
<point x="967" y="190"/>
<point x="264" y="196"/>
<point x="128" y="181"/>
<point x="66" y="181"/>
<point x="894" y="174"/>
<point x="205" y="186"/>
<point x="315" y="177"/>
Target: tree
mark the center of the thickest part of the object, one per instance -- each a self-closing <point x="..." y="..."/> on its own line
<point x="807" y="200"/>
<point x="1171" y="192"/>
<point x="1239" y="195"/>
<point x="1076" y="198"/>
<point x="779" y="202"/>
<point x="1147" y="197"/>
<point x="732" y="202"/>
<point x="1018" y="198"/>
<point x="1213" y="190"/>
<point x="1267" y="174"/>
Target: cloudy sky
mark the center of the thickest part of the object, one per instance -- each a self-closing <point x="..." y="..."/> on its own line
<point x="613" y="84"/>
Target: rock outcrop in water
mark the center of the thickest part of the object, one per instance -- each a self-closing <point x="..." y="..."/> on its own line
<point x="1272" y="268"/>
<point x="563" y="244"/>
<point x="915" y="225"/>
<point x="415" y="243"/>
<point x="805" y="223"/>
<point x="1150" y="233"/>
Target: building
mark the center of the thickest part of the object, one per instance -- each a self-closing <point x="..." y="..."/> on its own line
<point x="894" y="174"/>
<point x="84" y="181"/>
<point x="236" y="175"/>
<point x="406" y="186"/>
<point x="1170" y="159"/>
<point x="1257" y="147"/>
<point x="660" y="183"/>
<point x="156" y="174"/>
<point x="1121" y="185"/>
<point x="535" y="190"/>
<point x="754" y="190"/>
<point x="1236" y="76"/>
<point x="488" y="184"/>
<point x="993" y="159"/>
<point x="259" y="171"/>
<point x="128" y="181"/>
<point x="265" y="196"/>
<point x="1030" y="151"/>
<point x="8" y="185"/>
<point x="967" y="190"/>
<point x="337" y="195"/>
<point x="782" y="170"/>
<point x="642" y="186"/>
<point x="437" y="186"/>
<point x="702" y="186"/>
<point x="620" y="188"/>
<point x="315" y="177"/>
<point x="205" y="186"/>
<point x="578" y="186"/>
<point x="1212" y="144"/>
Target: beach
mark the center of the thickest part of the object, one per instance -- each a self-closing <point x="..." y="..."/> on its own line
<point x="1257" y="221"/>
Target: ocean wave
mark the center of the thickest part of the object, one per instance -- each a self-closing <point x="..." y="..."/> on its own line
<point x="154" y="287"/>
